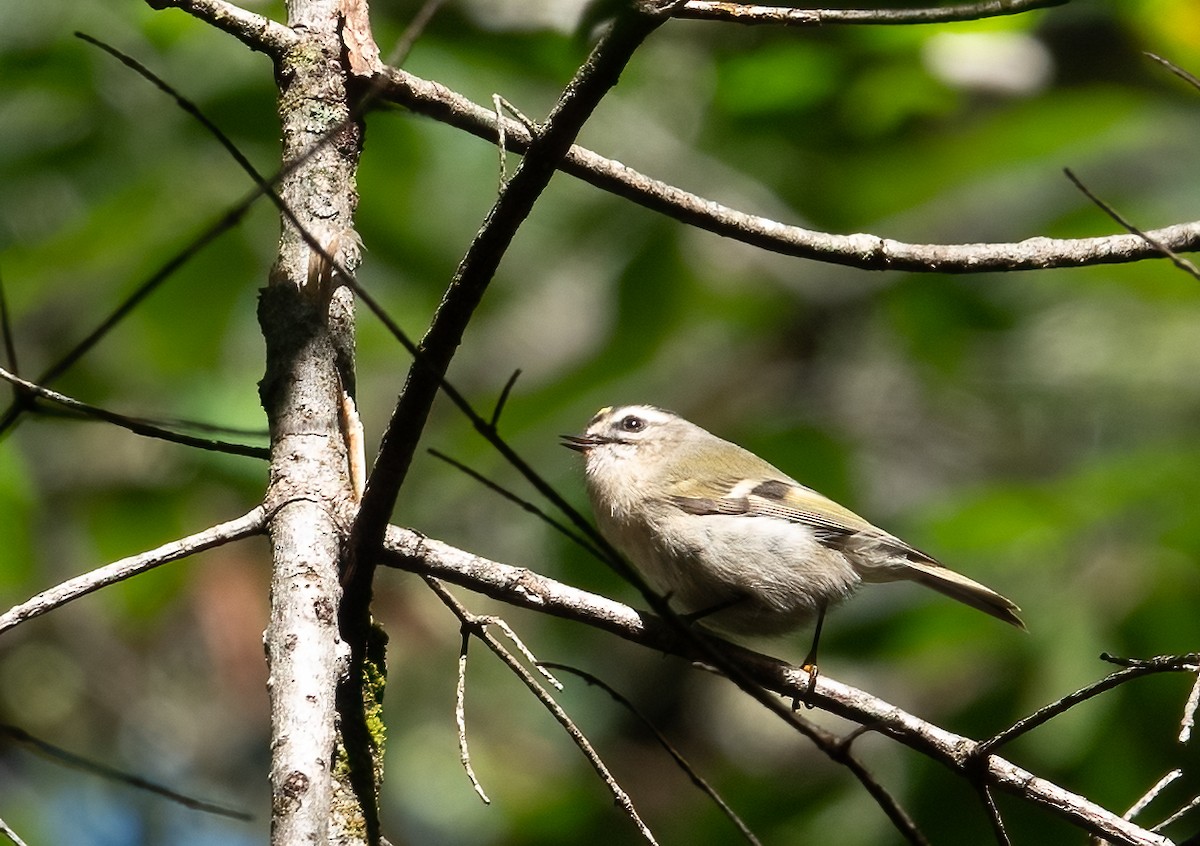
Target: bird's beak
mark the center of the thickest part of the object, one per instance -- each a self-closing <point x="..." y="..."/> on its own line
<point x="580" y="443"/>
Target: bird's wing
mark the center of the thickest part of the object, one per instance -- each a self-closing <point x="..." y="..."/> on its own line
<point x="877" y="555"/>
<point x="835" y="526"/>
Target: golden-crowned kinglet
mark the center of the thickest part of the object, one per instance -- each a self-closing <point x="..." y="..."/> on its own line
<point x="728" y="538"/>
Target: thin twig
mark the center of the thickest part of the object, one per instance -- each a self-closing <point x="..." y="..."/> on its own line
<point x="501" y="147"/>
<point x="255" y="31"/>
<point x="7" y="831"/>
<point x="682" y="762"/>
<point x="1161" y="664"/>
<point x="1190" y="78"/>
<point x="1152" y="794"/>
<point x="251" y="523"/>
<point x="526" y="653"/>
<point x="1189" y="711"/>
<point x="479" y="629"/>
<point x="10" y="346"/>
<point x="1179" y="261"/>
<point x="751" y="13"/>
<point x="227" y="221"/>
<point x="57" y="753"/>
<point x="133" y="424"/>
<point x="993" y="814"/>
<point x="185" y="104"/>
<point x="504" y="394"/>
<point x="1188" y="661"/>
<point x="460" y="717"/>
<point x="1178" y="815"/>
<point x="525" y="504"/>
<point x="412" y="32"/>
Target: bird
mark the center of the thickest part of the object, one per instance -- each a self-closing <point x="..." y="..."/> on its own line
<point x="733" y="542"/>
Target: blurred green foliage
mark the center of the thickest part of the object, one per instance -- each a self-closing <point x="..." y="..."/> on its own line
<point x="1035" y="431"/>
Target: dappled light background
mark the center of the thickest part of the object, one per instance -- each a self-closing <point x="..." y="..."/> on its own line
<point x="1035" y="431"/>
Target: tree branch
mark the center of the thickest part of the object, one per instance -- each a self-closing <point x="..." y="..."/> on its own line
<point x="138" y="427"/>
<point x="255" y="31"/>
<point x="751" y="13"/>
<point x="60" y="755"/>
<point x="863" y="251"/>
<point x="323" y="758"/>
<point x="1186" y="663"/>
<point x="251" y="523"/>
<point x="409" y="550"/>
<point x="477" y="626"/>
<point x="473" y="275"/>
<point x="680" y="761"/>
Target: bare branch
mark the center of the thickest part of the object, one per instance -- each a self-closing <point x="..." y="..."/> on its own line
<point x="227" y="221"/>
<point x="524" y="504"/>
<point x="413" y="31"/>
<point x="1189" y="712"/>
<point x="255" y="31"/>
<point x="1168" y="663"/>
<point x="472" y="277"/>
<point x="185" y="104"/>
<point x="1180" y="262"/>
<point x="460" y="717"/>
<point x="1151" y="794"/>
<point x="500" y="403"/>
<point x="133" y="424"/>
<point x="676" y="756"/>
<point x="518" y="586"/>
<point x="864" y="251"/>
<point x="994" y="817"/>
<point x="1178" y="815"/>
<point x="251" y="523"/>
<point x="1190" y="78"/>
<point x="7" y="831"/>
<point x="478" y="627"/>
<point x="62" y="756"/>
<point x="752" y="13"/>
<point x="10" y="346"/>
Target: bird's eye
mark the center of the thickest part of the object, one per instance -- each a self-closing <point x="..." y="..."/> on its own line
<point x="632" y="423"/>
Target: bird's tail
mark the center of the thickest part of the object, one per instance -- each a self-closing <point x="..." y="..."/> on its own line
<point x="970" y="592"/>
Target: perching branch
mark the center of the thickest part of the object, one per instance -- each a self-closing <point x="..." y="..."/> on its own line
<point x="518" y="586"/>
<point x="251" y="523"/>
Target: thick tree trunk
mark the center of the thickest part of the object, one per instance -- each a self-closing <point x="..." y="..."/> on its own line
<point x="308" y="325"/>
